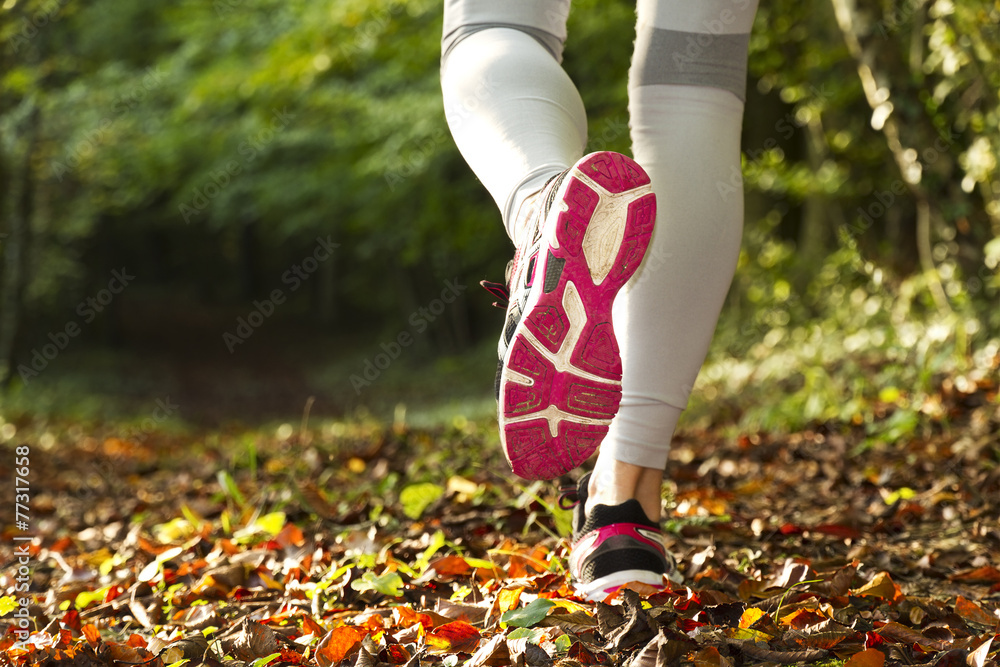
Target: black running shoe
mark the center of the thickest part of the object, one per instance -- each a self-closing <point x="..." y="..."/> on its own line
<point x="615" y="545"/>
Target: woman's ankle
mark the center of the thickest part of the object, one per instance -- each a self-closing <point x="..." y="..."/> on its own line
<point x="615" y="482"/>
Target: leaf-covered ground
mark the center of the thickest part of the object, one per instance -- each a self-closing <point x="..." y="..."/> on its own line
<point x="355" y="543"/>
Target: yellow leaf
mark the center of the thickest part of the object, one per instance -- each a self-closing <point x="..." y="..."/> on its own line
<point x="750" y="616"/>
<point x="881" y="586"/>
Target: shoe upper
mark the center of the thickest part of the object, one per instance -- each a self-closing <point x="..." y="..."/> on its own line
<point x="615" y="539"/>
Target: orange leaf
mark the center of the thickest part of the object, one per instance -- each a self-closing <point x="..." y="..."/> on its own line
<point x="92" y="634"/>
<point x="981" y="575"/>
<point x="972" y="612"/>
<point x="136" y="641"/>
<point x="311" y="627"/>
<point x="802" y="618"/>
<point x="407" y="617"/>
<point x="881" y="586"/>
<point x="508" y="599"/>
<point x="871" y="657"/>
<point x="290" y="535"/>
<point x="129" y="654"/>
<point x="454" y="637"/>
<point x="450" y="566"/>
<point x="337" y="645"/>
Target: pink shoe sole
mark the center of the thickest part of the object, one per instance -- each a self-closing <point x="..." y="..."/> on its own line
<point x="561" y="380"/>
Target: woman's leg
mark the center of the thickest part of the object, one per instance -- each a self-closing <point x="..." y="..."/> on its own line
<point x="514" y="113"/>
<point x="686" y="95"/>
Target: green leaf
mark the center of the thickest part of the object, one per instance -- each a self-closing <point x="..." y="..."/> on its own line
<point x="533" y="635"/>
<point x="530" y="615"/>
<point x="260" y="662"/>
<point x="416" y="498"/>
<point x="388" y="583"/>
<point x="228" y="485"/>
<point x="86" y="598"/>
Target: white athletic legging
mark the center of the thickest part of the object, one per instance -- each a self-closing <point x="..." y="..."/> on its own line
<point x="517" y="118"/>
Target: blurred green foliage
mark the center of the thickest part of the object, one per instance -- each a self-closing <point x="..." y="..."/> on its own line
<point x="207" y="145"/>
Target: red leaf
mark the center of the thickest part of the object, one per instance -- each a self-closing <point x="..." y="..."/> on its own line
<point x="791" y="529"/>
<point x="397" y="655"/>
<point x="687" y="625"/>
<point x="873" y="639"/>
<point x="454" y="637"/>
<point x="71" y="619"/>
<point x="837" y="530"/>
<point x="337" y="645"/>
<point x="871" y="657"/>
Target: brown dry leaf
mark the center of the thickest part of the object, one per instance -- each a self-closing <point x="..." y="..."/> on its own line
<point x="128" y="654"/>
<point x="978" y="657"/>
<point x="580" y="654"/>
<point x="793" y="572"/>
<point x="337" y="644"/>
<point x="710" y="657"/>
<point x="871" y="657"/>
<point x="900" y="633"/>
<point x="458" y="611"/>
<point x="840" y="584"/>
<point x="523" y="652"/>
<point x="493" y="653"/>
<point x="972" y="612"/>
<point x="825" y="640"/>
<point x="255" y="640"/>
